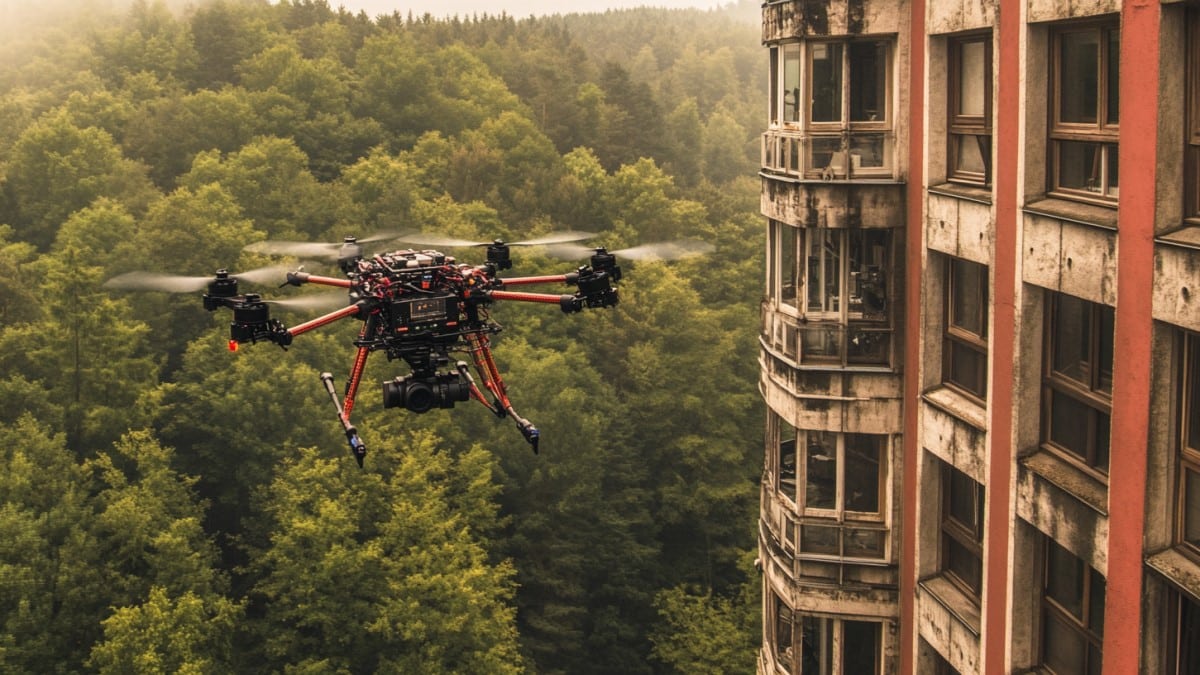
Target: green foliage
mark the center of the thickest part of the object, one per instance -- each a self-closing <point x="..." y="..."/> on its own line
<point x="166" y="141"/>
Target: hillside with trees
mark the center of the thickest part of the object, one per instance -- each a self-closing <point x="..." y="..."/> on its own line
<point x="169" y="506"/>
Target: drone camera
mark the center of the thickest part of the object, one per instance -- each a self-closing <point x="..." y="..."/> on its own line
<point x="422" y="394"/>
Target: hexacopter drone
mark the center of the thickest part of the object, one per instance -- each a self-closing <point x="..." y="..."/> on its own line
<point x="420" y="306"/>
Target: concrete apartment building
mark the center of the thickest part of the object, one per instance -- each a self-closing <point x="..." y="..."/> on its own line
<point x="980" y="345"/>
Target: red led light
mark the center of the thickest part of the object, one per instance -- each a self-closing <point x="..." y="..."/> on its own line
<point x="233" y="345"/>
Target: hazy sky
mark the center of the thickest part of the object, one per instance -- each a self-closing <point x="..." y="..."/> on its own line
<point x="517" y="8"/>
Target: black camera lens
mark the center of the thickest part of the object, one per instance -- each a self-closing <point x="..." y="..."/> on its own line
<point x="422" y="394"/>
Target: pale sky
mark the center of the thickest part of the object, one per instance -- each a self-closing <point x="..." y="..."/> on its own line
<point x="516" y="8"/>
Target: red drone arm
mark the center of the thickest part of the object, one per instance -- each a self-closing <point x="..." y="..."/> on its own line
<point x="324" y="320"/>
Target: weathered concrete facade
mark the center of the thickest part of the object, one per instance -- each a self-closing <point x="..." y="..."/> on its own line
<point x="981" y="337"/>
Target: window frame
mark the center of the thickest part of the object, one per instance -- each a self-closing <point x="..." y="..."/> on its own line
<point x="1191" y="210"/>
<point x="1052" y="609"/>
<point x="960" y="127"/>
<point x="1188" y="433"/>
<point x="1104" y="133"/>
<point x="815" y="520"/>
<point x="843" y="131"/>
<point x="954" y="334"/>
<point x="832" y="644"/>
<point x="966" y="536"/>
<point x="1090" y="393"/>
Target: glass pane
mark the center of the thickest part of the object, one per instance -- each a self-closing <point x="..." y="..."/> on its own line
<point x="1189" y="637"/>
<point x="868" y="81"/>
<point x="863" y="543"/>
<point x="1191" y="507"/>
<point x="867" y="152"/>
<point x="787" y="468"/>
<point x="783" y="635"/>
<point x="1103" y="430"/>
<point x="969" y="154"/>
<point x="964" y="564"/>
<point x="1096" y="604"/>
<point x="967" y="368"/>
<point x="824" y="270"/>
<point x="971" y="81"/>
<point x="826" y="82"/>
<point x="867" y="345"/>
<point x="1108" y="328"/>
<point x="863" y="472"/>
<point x="1079" y="77"/>
<point x="1191" y="413"/>
<point x="827" y="153"/>
<point x="789" y="277"/>
<point x="1064" y="578"/>
<point x="965" y="502"/>
<point x="1113" y="95"/>
<point x="819" y="540"/>
<point x="791" y="82"/>
<point x="968" y="288"/>
<point x="821" y="486"/>
<point x="1072" y="334"/>
<point x="1113" y="175"/>
<point x="1079" y="165"/>
<point x="816" y="647"/>
<point x="868" y="270"/>
<point x="860" y="647"/>
<point x="1065" y="649"/>
<point x="821" y="343"/>
<point x="1067" y="427"/>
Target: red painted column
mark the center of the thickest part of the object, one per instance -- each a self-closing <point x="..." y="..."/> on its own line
<point x="1006" y="280"/>
<point x="914" y="247"/>
<point x="1131" y="367"/>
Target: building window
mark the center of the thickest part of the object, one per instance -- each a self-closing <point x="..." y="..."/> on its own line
<point x="844" y="494"/>
<point x="845" y="296"/>
<point x="1072" y="613"/>
<point x="784" y="264"/>
<point x="970" y="100"/>
<point x="848" y="111"/>
<point x="1085" y="97"/>
<point x="1077" y="386"/>
<point x="1185" y="634"/>
<point x="1188" y="512"/>
<point x="962" y="531"/>
<point x="787" y="458"/>
<point x="784" y="638"/>
<point x="1192" y="148"/>
<point x="965" y="347"/>
<point x="831" y="646"/>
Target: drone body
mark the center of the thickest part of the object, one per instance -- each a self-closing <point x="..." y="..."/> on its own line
<point x="422" y="307"/>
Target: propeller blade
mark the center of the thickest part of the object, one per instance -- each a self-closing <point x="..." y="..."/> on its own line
<point x="313" y="302"/>
<point x="430" y="239"/>
<point x="151" y="281"/>
<point x="174" y="283"/>
<point x="427" y="239"/>
<point x="556" y="238"/>
<point x="667" y="250"/>
<point x="313" y="249"/>
<point x="299" y="249"/>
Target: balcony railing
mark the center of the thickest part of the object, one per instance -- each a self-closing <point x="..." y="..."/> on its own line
<point x="829" y="156"/>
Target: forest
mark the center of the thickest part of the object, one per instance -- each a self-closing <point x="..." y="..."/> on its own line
<point x="167" y="505"/>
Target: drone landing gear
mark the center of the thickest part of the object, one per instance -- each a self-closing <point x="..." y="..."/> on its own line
<point x="481" y="352"/>
<point x="356" y="445"/>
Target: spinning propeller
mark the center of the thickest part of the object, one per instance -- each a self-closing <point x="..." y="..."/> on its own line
<point x="310" y="249"/>
<point x="172" y="283"/>
<point x="665" y="250"/>
<point x="424" y="239"/>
